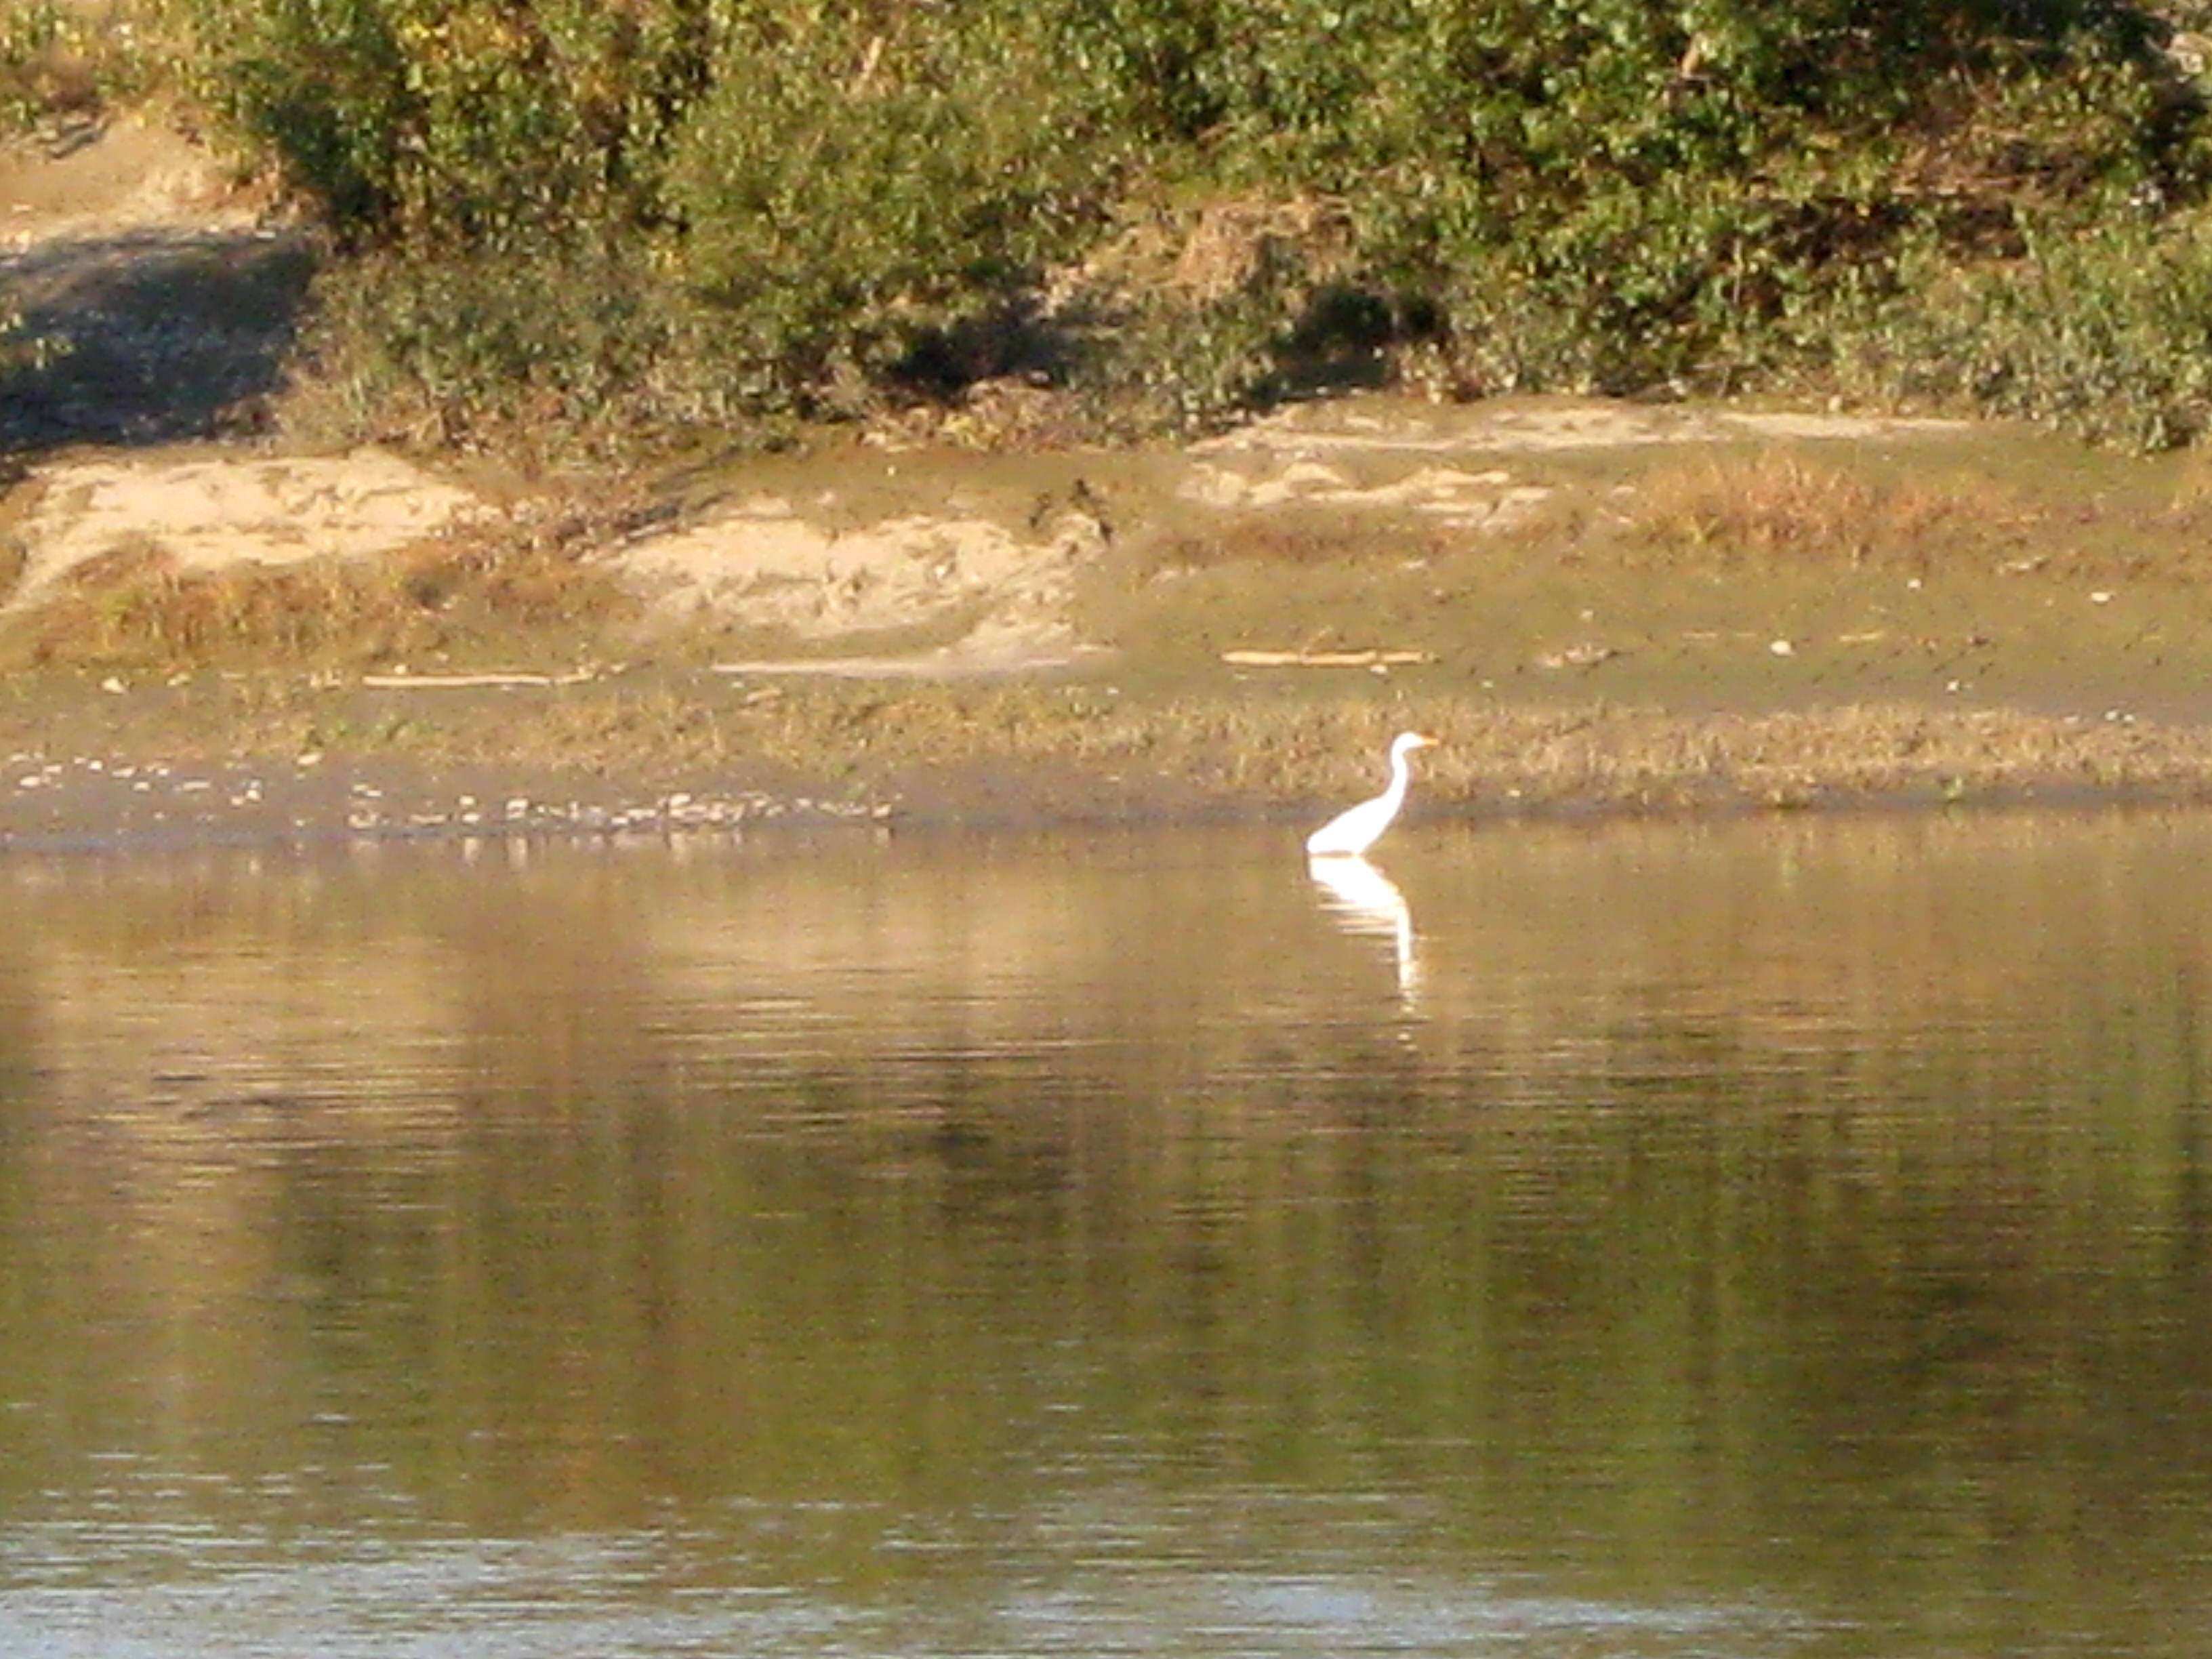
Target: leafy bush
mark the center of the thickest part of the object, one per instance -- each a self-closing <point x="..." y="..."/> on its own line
<point x="850" y="191"/>
<point x="2108" y="333"/>
<point x="460" y="124"/>
<point x="799" y="205"/>
<point x="66" y="59"/>
<point x="545" y="357"/>
<point x="1621" y="194"/>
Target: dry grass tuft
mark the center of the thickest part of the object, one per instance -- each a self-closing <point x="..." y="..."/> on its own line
<point x="507" y="589"/>
<point x="1781" y="506"/>
<point x="1310" y="537"/>
<point x="14" y="560"/>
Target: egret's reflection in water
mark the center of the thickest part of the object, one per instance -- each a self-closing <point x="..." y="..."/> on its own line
<point x="1366" y="901"/>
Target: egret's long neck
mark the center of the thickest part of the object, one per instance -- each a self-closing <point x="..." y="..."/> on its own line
<point x="1401" y="774"/>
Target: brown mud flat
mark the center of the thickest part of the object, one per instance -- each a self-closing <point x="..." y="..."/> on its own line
<point x="1708" y="622"/>
<point x="1597" y="606"/>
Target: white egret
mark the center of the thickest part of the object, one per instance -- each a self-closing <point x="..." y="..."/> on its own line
<point x="1353" y="832"/>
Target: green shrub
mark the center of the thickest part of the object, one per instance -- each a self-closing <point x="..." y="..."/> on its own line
<point x="72" y="60"/>
<point x="849" y="191"/>
<point x="1620" y="194"/>
<point x="801" y="206"/>
<point x="33" y="38"/>
<point x="548" y="357"/>
<point x="2107" y="333"/>
<point x="460" y="124"/>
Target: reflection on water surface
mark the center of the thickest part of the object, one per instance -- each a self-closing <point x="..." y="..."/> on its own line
<point x="1783" y="1238"/>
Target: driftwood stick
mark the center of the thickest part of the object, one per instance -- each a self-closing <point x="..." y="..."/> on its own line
<point x="464" y="682"/>
<point x="1325" y="659"/>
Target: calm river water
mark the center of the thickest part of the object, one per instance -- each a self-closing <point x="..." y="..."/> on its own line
<point x="1790" y="1237"/>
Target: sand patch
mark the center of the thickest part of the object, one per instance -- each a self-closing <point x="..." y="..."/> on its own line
<point x="1425" y="463"/>
<point x="762" y="565"/>
<point x="1448" y="497"/>
<point x="128" y="176"/>
<point x="1381" y="426"/>
<point x="210" y="513"/>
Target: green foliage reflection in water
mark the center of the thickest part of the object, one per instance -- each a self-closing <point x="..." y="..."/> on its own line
<point x="1748" y="1204"/>
<point x="1180" y="202"/>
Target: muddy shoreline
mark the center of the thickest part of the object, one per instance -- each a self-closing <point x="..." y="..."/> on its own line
<point x="86" y="805"/>
<point x="660" y="755"/>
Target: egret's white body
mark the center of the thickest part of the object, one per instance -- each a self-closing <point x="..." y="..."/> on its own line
<point x="1353" y="832"/>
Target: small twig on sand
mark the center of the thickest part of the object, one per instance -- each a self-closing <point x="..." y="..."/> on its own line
<point x="464" y="682"/>
<point x="1325" y="659"/>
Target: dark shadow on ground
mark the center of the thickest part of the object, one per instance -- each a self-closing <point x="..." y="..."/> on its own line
<point x="152" y="337"/>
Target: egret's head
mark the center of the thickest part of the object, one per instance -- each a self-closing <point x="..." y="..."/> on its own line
<point x="1408" y="742"/>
